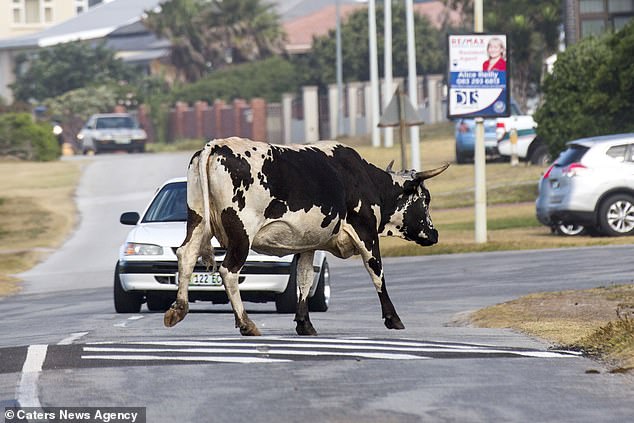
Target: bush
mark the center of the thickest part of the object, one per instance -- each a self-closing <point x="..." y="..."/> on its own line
<point x="590" y="91"/>
<point x="21" y="137"/>
<point x="267" y="79"/>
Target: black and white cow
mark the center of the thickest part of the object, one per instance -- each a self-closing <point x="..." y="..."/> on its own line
<point x="280" y="200"/>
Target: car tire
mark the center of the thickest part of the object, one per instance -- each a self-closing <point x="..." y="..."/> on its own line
<point x="158" y="302"/>
<point x="125" y="302"/>
<point x="461" y="159"/>
<point x="286" y="302"/>
<point x="540" y="156"/>
<point x="321" y="298"/>
<point x="569" y="229"/>
<point x="616" y="215"/>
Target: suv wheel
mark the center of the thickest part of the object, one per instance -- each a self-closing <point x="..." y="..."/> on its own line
<point x="569" y="229"/>
<point x="125" y="302"/>
<point x="616" y="215"/>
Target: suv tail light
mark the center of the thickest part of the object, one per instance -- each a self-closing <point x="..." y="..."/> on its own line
<point x="500" y="130"/>
<point x="574" y="169"/>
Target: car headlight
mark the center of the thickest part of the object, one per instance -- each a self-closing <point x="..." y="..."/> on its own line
<point x="134" y="249"/>
<point x="80" y="136"/>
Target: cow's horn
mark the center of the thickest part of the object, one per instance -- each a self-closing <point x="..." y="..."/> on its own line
<point x="389" y="167"/>
<point x="426" y="174"/>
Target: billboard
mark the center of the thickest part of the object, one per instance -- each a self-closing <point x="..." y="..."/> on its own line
<point x="478" y="75"/>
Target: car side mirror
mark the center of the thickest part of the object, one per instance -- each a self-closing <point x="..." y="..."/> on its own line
<point x="129" y="218"/>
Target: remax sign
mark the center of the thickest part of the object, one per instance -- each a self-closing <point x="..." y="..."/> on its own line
<point x="478" y="75"/>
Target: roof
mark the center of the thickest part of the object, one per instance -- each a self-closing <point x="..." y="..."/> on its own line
<point x="590" y="141"/>
<point x="97" y="22"/>
<point x="310" y="18"/>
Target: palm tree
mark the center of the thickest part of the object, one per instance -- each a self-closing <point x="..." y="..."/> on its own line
<point x="241" y="30"/>
<point x="210" y="34"/>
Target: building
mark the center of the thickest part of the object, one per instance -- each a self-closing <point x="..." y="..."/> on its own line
<point x="22" y="17"/>
<point x="111" y="21"/>
<point x="593" y="17"/>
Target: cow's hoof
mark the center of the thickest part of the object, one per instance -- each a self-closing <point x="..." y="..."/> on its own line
<point x="305" y="328"/>
<point x="176" y="313"/>
<point x="249" y="329"/>
<point x="393" y="322"/>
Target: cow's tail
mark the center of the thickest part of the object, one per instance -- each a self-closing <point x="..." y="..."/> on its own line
<point x="203" y="173"/>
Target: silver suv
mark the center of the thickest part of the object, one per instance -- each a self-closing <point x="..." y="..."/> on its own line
<point x="111" y="132"/>
<point x="591" y="184"/>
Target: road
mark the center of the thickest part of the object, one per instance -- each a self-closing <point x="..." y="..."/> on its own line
<point x="61" y="344"/>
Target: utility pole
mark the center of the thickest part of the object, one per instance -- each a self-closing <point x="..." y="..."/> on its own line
<point x="339" y="123"/>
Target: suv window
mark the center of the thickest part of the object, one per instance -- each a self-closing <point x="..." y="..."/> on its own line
<point x="169" y="205"/>
<point x="617" y="152"/>
<point x="572" y="154"/>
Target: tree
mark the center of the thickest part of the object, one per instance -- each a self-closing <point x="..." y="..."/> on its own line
<point x="532" y="27"/>
<point x="64" y="67"/>
<point x="318" y="67"/>
<point x="590" y="92"/>
<point x="208" y="35"/>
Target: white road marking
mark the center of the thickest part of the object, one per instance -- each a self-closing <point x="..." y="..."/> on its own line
<point x="267" y="351"/>
<point x="27" y="394"/>
<point x="188" y="358"/>
<point x="72" y="338"/>
<point x="128" y="320"/>
<point x="299" y="348"/>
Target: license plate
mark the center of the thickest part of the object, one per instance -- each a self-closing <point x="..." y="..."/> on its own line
<point x="122" y="140"/>
<point x="206" y="279"/>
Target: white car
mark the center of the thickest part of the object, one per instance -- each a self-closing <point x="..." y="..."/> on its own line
<point x="147" y="267"/>
<point x="111" y="132"/>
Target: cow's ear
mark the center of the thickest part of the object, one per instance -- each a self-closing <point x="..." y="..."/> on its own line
<point x="426" y="174"/>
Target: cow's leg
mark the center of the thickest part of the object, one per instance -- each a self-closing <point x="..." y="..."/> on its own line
<point x="187" y="254"/>
<point x="374" y="266"/>
<point x="305" y="276"/>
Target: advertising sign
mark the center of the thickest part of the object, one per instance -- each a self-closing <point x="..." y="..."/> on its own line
<point x="478" y="76"/>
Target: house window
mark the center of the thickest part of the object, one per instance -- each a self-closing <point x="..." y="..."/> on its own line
<point x="31" y="12"/>
<point x="620" y="6"/>
<point x="591" y="6"/>
<point x="81" y="6"/>
<point x="592" y="27"/>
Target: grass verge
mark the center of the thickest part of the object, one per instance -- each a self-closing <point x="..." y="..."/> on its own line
<point x="37" y="213"/>
<point x="598" y="321"/>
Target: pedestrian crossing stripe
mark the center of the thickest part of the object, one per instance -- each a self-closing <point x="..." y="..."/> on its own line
<point x="285" y="349"/>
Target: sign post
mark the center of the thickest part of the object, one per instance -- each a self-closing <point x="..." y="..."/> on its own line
<point x="478" y="88"/>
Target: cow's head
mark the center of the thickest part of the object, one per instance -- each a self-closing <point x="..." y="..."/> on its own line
<point x="410" y="219"/>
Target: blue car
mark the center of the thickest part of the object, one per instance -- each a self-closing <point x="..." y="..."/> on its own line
<point x="465" y="139"/>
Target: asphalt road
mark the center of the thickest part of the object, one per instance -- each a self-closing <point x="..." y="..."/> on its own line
<point x="62" y="345"/>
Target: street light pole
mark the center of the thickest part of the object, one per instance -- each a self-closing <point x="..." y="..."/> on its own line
<point x="339" y="130"/>
<point x="479" y="156"/>
<point x="389" y="90"/>
<point x="374" y="75"/>
<point x="412" y="82"/>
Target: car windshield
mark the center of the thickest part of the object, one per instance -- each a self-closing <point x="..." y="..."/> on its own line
<point x="115" y="122"/>
<point x="572" y="154"/>
<point x="169" y="205"/>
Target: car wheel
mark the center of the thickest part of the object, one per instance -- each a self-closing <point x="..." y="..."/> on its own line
<point x="616" y="215"/>
<point x="540" y="156"/>
<point x="159" y="302"/>
<point x="321" y="298"/>
<point x="460" y="159"/>
<point x="569" y="229"/>
<point x="286" y="302"/>
<point x="125" y="302"/>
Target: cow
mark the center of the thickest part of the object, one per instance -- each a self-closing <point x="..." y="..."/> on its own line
<point x="280" y="200"/>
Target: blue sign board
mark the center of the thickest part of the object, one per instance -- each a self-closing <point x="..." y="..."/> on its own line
<point x="478" y="76"/>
